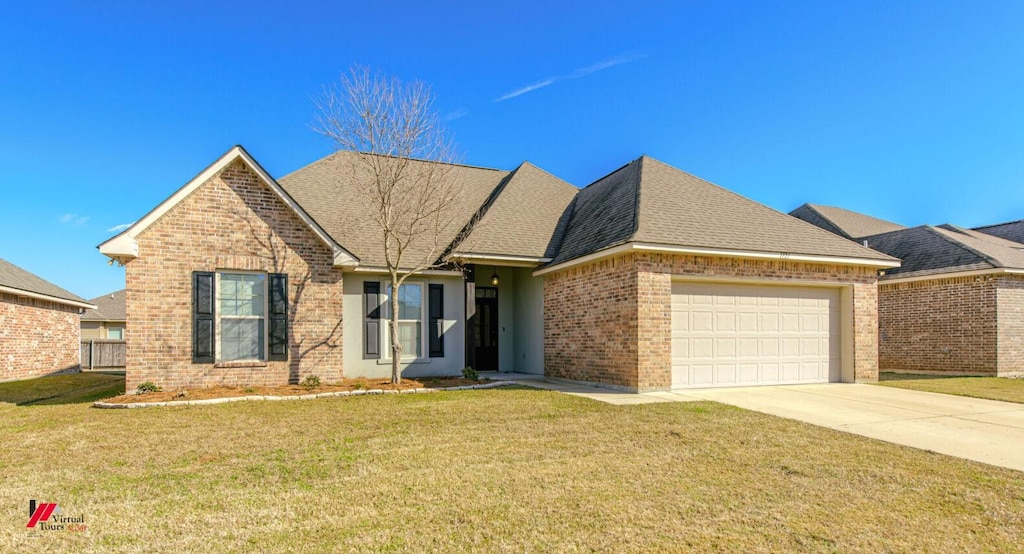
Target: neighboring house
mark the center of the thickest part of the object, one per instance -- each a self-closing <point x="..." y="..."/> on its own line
<point x="39" y="332"/>
<point x="648" y="279"/>
<point x="851" y="225"/>
<point x="107" y="320"/>
<point x="1013" y="230"/>
<point x="956" y="304"/>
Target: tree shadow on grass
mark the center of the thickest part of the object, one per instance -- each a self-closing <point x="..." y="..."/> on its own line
<point x="75" y="388"/>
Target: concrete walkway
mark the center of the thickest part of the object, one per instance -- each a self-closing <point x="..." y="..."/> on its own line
<point x="985" y="431"/>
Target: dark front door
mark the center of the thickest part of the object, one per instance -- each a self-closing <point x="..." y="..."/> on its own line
<point x="484" y="329"/>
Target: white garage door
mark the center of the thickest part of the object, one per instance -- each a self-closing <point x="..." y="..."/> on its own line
<point x="741" y="335"/>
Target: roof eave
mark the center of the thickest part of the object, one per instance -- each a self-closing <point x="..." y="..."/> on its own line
<point x="725" y="253"/>
<point x="40" y="296"/>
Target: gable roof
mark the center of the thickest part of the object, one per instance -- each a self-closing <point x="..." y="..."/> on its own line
<point x="328" y="188"/>
<point x="1013" y="230"/>
<point x="123" y="246"/>
<point x="109" y="307"/>
<point x="927" y="250"/>
<point x="651" y="203"/>
<point x="845" y="223"/>
<point x="525" y="218"/>
<point x="17" y="281"/>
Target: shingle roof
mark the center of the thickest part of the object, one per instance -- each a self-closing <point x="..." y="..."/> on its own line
<point x="109" y="307"/>
<point x="928" y="250"/>
<point x="1013" y="230"/>
<point x="845" y="223"/>
<point x="525" y="218"/>
<point x="327" y="190"/>
<point x="651" y="202"/>
<point x="14" y="277"/>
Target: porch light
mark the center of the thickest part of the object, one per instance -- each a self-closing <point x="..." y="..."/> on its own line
<point x="494" y="278"/>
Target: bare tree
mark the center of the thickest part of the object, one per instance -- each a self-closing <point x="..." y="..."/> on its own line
<point x="391" y="129"/>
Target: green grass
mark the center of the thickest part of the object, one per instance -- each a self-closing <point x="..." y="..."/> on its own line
<point x="62" y="389"/>
<point x="491" y="470"/>
<point x="991" y="388"/>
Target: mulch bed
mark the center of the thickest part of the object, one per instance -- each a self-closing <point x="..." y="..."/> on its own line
<point x="292" y="390"/>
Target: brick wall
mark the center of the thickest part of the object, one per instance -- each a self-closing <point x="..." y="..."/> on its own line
<point x="37" y="338"/>
<point x="232" y="222"/>
<point x="609" y="321"/>
<point x="1010" y="305"/>
<point x="939" y="325"/>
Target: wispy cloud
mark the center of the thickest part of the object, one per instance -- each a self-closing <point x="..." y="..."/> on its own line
<point x="73" y="219"/>
<point x="527" y="88"/>
<point x="119" y="228"/>
<point x="457" y="113"/>
<point x="576" y="74"/>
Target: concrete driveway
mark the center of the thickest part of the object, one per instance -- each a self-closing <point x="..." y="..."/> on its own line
<point x="982" y="430"/>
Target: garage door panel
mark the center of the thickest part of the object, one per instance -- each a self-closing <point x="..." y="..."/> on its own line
<point x="728" y="335"/>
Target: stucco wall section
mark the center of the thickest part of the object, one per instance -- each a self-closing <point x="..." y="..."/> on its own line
<point x="37" y="337"/>
<point x="231" y="222"/>
<point x="939" y="325"/>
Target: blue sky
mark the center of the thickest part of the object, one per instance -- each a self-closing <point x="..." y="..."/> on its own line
<point x="909" y="111"/>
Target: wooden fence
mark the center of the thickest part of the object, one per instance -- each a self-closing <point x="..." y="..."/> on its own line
<point x="102" y="354"/>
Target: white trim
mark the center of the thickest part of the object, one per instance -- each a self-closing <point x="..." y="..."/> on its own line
<point x="700" y="251"/>
<point x="27" y="294"/>
<point x="940" y="276"/>
<point x="442" y="272"/>
<point x="500" y="259"/>
<point x="124" y="247"/>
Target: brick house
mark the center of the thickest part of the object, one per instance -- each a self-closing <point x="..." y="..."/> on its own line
<point x="107" y="320"/>
<point x="39" y="333"/>
<point x="647" y="279"/>
<point x="955" y="305"/>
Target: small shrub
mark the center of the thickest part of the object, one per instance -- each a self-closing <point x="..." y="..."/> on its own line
<point x="146" y="387"/>
<point x="250" y="390"/>
<point x="311" y="382"/>
<point x="358" y="386"/>
<point x="471" y="374"/>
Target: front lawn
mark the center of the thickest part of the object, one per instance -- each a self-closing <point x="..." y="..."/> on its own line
<point x="506" y="469"/>
<point x="992" y="388"/>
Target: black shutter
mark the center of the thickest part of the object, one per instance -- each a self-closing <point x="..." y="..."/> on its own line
<point x="278" y="317"/>
<point x="202" y="317"/>
<point x="435" y="309"/>
<point x="371" y="320"/>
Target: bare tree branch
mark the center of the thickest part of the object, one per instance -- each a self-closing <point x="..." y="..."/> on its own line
<point x="404" y="168"/>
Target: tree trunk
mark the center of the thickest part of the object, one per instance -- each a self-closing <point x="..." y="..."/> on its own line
<point x="396" y="344"/>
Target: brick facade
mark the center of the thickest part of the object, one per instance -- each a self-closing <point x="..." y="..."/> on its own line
<point x="231" y="222"/>
<point x="970" y="325"/>
<point x="37" y="337"/>
<point x="623" y="336"/>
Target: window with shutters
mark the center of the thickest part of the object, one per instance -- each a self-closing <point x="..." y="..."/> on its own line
<point x="241" y="316"/>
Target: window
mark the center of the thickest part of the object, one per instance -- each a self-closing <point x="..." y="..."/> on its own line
<point x="410" y="320"/>
<point x="115" y="333"/>
<point x="241" y="299"/>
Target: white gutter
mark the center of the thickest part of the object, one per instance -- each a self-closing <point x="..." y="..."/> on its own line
<point x="444" y="272"/>
<point x="700" y="251"/>
<point x="940" y="276"/>
<point x="500" y="259"/>
<point x="27" y="294"/>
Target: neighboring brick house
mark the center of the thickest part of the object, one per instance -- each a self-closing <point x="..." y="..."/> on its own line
<point x="107" y="320"/>
<point x="39" y="333"/>
<point x="649" y="278"/>
<point x="956" y="304"/>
